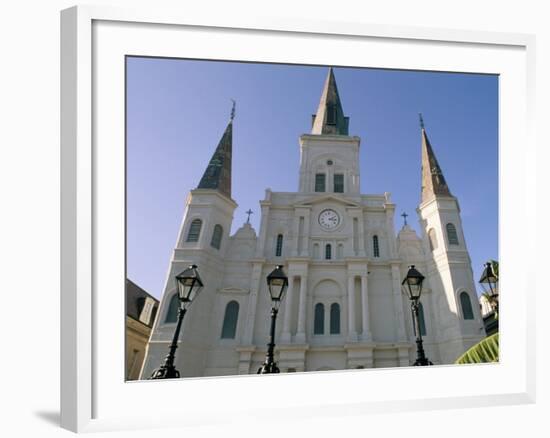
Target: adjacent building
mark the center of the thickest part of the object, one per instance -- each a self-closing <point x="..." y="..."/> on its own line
<point x="141" y="310"/>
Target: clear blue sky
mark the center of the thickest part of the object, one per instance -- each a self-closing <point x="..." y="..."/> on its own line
<point x="178" y="109"/>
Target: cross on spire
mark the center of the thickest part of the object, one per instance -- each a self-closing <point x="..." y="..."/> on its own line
<point x="421" y="120"/>
<point x="249" y="212"/>
<point x="404" y="215"/>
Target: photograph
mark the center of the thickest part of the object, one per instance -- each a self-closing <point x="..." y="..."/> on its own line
<point x="285" y="218"/>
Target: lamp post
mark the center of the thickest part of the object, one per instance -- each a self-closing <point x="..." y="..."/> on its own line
<point x="277" y="282"/>
<point x="489" y="283"/>
<point x="188" y="286"/>
<point x="412" y="284"/>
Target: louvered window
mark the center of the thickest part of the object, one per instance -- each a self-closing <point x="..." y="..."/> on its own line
<point x="331" y="114"/>
<point x="338" y="183"/>
<point x="320" y="182"/>
<point x="452" y="237"/>
<point x="216" y="241"/>
<point x="466" y="304"/>
<point x="194" y="231"/>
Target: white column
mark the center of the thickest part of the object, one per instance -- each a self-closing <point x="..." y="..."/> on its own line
<point x="365" y="308"/>
<point x="285" y="336"/>
<point x="398" y="303"/>
<point x="352" y="333"/>
<point x="301" y="332"/>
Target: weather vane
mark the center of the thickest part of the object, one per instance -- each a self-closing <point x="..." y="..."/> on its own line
<point x="249" y="212"/>
<point x="404" y="218"/>
<point x="421" y="120"/>
<point x="233" y="109"/>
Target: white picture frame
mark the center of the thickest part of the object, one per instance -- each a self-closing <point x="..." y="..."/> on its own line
<point x="94" y="396"/>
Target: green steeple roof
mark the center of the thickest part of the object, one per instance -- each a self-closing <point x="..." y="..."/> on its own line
<point x="217" y="175"/>
<point x="330" y="117"/>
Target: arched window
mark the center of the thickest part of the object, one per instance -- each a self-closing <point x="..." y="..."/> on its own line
<point x="421" y="320"/>
<point x="319" y="319"/>
<point x="452" y="237"/>
<point x="279" y="246"/>
<point x="216" y="241"/>
<point x="229" y="328"/>
<point x="375" y="246"/>
<point x="172" y="313"/>
<point x="194" y="231"/>
<point x="334" y="319"/>
<point x="328" y="251"/>
<point x="432" y="239"/>
<point x="466" y="304"/>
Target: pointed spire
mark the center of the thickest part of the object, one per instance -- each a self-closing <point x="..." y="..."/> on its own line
<point x="330" y="117"/>
<point x="218" y="173"/>
<point x="433" y="181"/>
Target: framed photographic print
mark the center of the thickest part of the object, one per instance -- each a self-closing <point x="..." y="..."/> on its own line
<point x="290" y="208"/>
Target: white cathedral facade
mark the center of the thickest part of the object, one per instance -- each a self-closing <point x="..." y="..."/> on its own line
<point x="344" y="307"/>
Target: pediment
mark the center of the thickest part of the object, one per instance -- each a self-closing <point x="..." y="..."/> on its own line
<point x="314" y="200"/>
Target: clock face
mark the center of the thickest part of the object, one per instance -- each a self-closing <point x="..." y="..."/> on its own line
<point x="329" y="219"/>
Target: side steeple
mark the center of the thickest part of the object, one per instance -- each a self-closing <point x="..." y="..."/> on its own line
<point x="217" y="175"/>
<point x="433" y="181"/>
<point x="330" y="117"/>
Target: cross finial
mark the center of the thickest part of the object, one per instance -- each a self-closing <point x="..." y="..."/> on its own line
<point x="233" y="109"/>
<point x="404" y="215"/>
<point x="249" y="212"/>
<point x="421" y="120"/>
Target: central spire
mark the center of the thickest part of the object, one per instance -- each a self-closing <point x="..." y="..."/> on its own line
<point x="433" y="181"/>
<point x="330" y="117"/>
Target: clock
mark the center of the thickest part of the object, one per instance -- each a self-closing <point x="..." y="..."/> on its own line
<point x="329" y="219"/>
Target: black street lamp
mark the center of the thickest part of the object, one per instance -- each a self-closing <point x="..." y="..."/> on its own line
<point x="188" y="285"/>
<point x="489" y="283"/>
<point x="413" y="286"/>
<point x="277" y="282"/>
